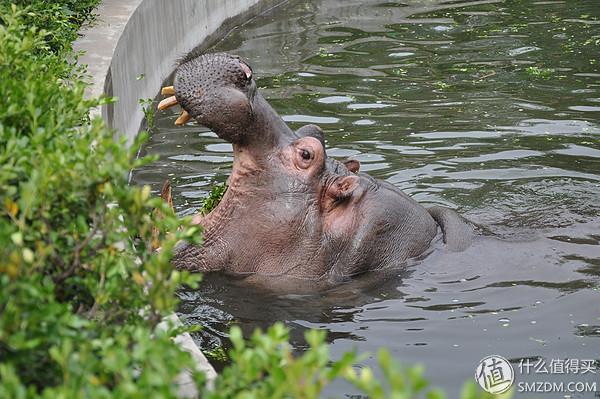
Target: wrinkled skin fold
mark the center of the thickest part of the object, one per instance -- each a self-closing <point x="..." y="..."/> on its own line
<point x="291" y="211"/>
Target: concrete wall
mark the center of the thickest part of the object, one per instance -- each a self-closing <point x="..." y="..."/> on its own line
<point x="133" y="45"/>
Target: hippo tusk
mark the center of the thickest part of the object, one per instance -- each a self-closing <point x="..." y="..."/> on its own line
<point x="167" y="91"/>
<point x="167" y="103"/>
<point x="183" y="118"/>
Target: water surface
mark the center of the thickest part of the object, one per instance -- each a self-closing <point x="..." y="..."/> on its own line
<point x="488" y="107"/>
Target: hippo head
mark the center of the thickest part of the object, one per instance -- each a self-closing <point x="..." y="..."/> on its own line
<point x="218" y="91"/>
<point x="289" y="210"/>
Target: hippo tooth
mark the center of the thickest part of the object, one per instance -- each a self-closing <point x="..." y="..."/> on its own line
<point x="167" y="91"/>
<point x="183" y="118"/>
<point x="167" y="103"/>
<point x="246" y="70"/>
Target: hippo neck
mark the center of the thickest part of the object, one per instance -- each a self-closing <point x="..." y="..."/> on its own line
<point x="249" y="181"/>
<point x="251" y="177"/>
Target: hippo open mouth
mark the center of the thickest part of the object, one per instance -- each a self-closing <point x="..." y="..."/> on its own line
<point x="290" y="210"/>
<point x="219" y="92"/>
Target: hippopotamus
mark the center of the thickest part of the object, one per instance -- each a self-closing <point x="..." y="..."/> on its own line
<point x="290" y="210"/>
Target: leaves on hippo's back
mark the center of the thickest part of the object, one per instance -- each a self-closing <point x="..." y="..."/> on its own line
<point x="217" y="192"/>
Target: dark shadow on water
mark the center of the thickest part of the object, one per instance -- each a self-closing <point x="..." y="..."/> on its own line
<point x="222" y="301"/>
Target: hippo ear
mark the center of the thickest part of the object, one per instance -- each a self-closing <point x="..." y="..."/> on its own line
<point x="343" y="187"/>
<point x="352" y="164"/>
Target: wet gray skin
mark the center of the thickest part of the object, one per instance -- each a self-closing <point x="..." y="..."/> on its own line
<point x="290" y="210"/>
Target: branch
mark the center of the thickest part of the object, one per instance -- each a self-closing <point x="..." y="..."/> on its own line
<point x="76" y="261"/>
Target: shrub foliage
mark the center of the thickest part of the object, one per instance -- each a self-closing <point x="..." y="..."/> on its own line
<point x="264" y="367"/>
<point x="81" y="290"/>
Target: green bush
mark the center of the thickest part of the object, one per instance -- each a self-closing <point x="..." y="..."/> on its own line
<point x="265" y="368"/>
<point x="81" y="290"/>
<point x="79" y="297"/>
<point x="60" y="19"/>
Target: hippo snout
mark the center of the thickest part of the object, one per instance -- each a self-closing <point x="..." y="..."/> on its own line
<point x="217" y="90"/>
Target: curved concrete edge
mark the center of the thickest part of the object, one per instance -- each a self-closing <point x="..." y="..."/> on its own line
<point x="133" y="45"/>
<point x="129" y="50"/>
<point x="185" y="383"/>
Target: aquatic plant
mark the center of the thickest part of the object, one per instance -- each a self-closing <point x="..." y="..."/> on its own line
<point x="542" y="73"/>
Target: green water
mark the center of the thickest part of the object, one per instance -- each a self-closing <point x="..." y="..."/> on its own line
<point x="488" y="107"/>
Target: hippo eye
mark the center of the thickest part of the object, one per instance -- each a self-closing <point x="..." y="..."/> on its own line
<point x="306" y="155"/>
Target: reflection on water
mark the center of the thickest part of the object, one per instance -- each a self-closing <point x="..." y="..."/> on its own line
<point x="488" y="107"/>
